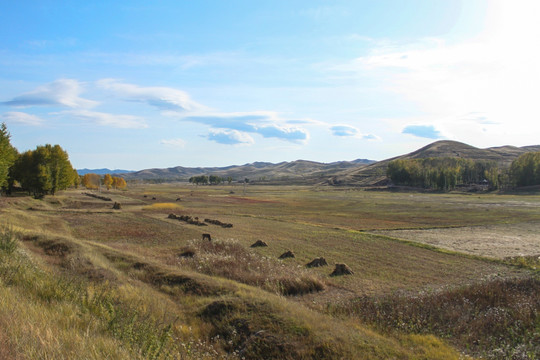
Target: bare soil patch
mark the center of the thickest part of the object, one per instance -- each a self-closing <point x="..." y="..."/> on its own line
<point x="497" y="241"/>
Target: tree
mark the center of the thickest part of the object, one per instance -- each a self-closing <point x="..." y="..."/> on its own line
<point x="91" y="181"/>
<point x="119" y="183"/>
<point x="525" y="170"/>
<point x="8" y="155"/>
<point x="201" y="179"/>
<point x="45" y="170"/>
<point x="108" y="181"/>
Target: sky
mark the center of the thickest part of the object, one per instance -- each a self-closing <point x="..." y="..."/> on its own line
<point x="154" y="84"/>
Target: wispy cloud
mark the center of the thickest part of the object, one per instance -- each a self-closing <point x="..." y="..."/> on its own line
<point x="266" y="124"/>
<point x="163" y="98"/>
<point x="175" y="143"/>
<point x="344" y="130"/>
<point x="425" y="131"/>
<point x="350" y="131"/>
<point x="106" y="119"/>
<point x="21" y="118"/>
<point x="230" y="137"/>
<point x="62" y="92"/>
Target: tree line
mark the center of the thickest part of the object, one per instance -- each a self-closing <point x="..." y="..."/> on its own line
<point x="212" y="180"/>
<point x="94" y="181"/>
<point x="525" y="170"/>
<point x="42" y="171"/>
<point x="447" y="173"/>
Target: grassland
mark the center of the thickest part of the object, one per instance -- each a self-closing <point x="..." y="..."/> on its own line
<point x="85" y="281"/>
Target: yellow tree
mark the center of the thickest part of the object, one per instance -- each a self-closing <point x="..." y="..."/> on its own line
<point x="108" y="181"/>
<point x="91" y="181"/>
<point x="118" y="182"/>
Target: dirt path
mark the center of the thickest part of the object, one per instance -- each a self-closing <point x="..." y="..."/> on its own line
<point x="497" y="241"/>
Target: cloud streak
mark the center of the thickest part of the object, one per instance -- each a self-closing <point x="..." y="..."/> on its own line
<point x="106" y="119"/>
<point x="163" y="98"/>
<point x="350" y="131"/>
<point x="22" y="118"/>
<point x="265" y="124"/>
<point x="62" y="92"/>
<point x="175" y="143"/>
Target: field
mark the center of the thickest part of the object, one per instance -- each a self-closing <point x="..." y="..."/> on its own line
<point x="118" y="270"/>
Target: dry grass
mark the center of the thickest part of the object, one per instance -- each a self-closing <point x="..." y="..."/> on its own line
<point x="226" y="301"/>
<point x="162" y="207"/>
<point x="229" y="259"/>
<point x="498" y="319"/>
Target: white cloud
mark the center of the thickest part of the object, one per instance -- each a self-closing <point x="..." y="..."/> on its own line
<point x="423" y="131"/>
<point x="175" y="143"/>
<point x="351" y="131"/>
<point x="230" y="137"/>
<point x="163" y="98"/>
<point x="106" y="119"/>
<point x="265" y="123"/>
<point x="62" y="92"/>
<point x="21" y="118"/>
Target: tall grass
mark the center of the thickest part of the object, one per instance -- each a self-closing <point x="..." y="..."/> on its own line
<point x="499" y="319"/>
<point x="229" y="259"/>
<point x="83" y="305"/>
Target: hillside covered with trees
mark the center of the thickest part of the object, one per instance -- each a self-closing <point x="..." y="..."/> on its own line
<point x="447" y="173"/>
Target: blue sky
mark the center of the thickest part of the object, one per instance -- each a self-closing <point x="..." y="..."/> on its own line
<point x="140" y="84"/>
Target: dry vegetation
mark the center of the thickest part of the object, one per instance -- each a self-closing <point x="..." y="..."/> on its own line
<point x="80" y="280"/>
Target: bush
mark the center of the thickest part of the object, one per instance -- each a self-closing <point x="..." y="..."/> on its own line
<point x="8" y="239"/>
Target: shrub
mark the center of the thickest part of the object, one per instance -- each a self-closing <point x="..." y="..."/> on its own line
<point x="8" y="239"/>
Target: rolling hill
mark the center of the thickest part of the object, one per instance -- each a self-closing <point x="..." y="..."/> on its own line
<point x="360" y="172"/>
<point x="374" y="174"/>
<point x="299" y="171"/>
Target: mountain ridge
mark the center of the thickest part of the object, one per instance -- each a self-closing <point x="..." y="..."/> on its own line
<point x="359" y="172"/>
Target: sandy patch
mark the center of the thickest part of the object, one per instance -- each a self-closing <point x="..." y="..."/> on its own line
<point x="497" y="241"/>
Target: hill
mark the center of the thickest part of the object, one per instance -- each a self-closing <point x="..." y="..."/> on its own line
<point x="360" y="172"/>
<point x="299" y="171"/>
<point x="374" y="174"/>
<point x="102" y="171"/>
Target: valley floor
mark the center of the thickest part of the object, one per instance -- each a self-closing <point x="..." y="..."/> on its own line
<point x="225" y="299"/>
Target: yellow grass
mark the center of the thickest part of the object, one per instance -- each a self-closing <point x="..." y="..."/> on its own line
<point x="162" y="206"/>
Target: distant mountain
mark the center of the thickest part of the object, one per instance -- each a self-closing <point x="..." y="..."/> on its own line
<point x="376" y="173"/>
<point x="299" y="171"/>
<point x="102" y="171"/>
<point x="360" y="172"/>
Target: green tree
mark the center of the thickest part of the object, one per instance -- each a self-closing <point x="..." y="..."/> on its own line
<point x="8" y="155"/>
<point x="525" y="170"/>
<point x="45" y="170"/>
